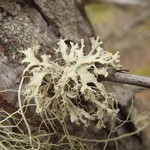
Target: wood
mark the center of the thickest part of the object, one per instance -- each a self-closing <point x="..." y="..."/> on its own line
<point x="121" y="2"/>
<point x="129" y="79"/>
<point x="24" y="24"/>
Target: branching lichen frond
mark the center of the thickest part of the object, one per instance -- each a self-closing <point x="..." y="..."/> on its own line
<point x="59" y="94"/>
<point x="56" y="86"/>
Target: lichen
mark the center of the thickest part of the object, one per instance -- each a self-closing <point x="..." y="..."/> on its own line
<point x="23" y="31"/>
<point x="59" y="86"/>
<point x="19" y="28"/>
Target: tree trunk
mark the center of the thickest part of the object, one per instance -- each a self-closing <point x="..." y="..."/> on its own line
<point x="28" y="23"/>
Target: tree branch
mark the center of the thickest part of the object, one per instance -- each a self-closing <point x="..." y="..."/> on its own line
<point x="121" y="2"/>
<point x="129" y="79"/>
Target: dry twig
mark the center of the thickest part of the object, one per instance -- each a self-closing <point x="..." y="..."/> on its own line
<point x="129" y="79"/>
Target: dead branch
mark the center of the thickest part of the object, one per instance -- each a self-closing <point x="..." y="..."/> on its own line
<point x="121" y="2"/>
<point x="129" y="79"/>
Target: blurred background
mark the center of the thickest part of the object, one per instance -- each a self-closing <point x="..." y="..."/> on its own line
<point x="124" y="26"/>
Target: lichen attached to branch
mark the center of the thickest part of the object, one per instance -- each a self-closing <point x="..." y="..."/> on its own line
<point x="69" y="88"/>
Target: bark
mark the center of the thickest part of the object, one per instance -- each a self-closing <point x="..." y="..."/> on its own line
<point x="121" y="2"/>
<point x="27" y="23"/>
<point x="24" y="24"/>
<point x="129" y="79"/>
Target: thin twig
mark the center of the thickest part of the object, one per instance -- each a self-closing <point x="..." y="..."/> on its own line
<point x="120" y="2"/>
<point x="129" y="79"/>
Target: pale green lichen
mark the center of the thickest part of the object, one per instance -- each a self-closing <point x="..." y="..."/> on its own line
<point x="58" y="87"/>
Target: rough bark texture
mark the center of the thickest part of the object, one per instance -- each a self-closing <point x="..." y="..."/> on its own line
<point x="27" y="23"/>
<point x="24" y="24"/>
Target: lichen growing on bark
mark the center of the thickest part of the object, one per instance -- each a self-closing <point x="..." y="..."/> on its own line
<point x="58" y="86"/>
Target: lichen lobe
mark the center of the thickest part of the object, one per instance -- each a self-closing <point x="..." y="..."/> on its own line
<point x="76" y="76"/>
